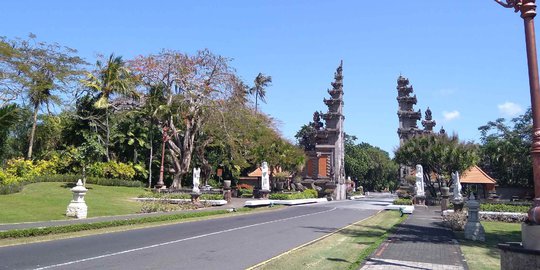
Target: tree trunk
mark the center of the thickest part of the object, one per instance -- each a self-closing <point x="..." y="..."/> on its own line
<point x="150" y="161"/>
<point x="108" y="134"/>
<point x="182" y="155"/>
<point x="32" y="133"/>
<point x="256" y="98"/>
<point x="84" y="174"/>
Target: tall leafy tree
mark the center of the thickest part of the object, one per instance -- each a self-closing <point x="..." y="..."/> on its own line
<point x="505" y="150"/>
<point x="305" y="137"/>
<point x="9" y="115"/>
<point x="37" y="72"/>
<point x="370" y="165"/>
<point x="439" y="155"/>
<point x="111" y="77"/>
<point x="196" y="86"/>
<point x="261" y="82"/>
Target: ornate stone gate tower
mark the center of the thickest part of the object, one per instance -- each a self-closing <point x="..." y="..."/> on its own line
<point x="407" y="116"/>
<point x="326" y="164"/>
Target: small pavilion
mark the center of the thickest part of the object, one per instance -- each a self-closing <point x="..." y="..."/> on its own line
<point x="476" y="176"/>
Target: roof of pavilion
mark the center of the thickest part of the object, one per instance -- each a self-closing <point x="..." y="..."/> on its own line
<point x="475" y="175"/>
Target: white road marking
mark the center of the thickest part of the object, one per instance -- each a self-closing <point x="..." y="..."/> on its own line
<point x="178" y="241"/>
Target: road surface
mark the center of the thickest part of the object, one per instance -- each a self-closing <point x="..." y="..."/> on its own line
<point x="235" y="242"/>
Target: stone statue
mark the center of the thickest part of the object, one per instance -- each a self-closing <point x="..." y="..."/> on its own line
<point x="265" y="178"/>
<point x="428" y="115"/>
<point x="457" y="188"/>
<point x="196" y="180"/>
<point x="419" y="180"/>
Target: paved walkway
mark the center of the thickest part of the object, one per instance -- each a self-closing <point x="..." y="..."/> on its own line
<point x="419" y="243"/>
<point x="235" y="203"/>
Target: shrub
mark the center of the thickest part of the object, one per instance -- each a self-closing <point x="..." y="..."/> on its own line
<point x="306" y="194"/>
<point x="504" y="208"/>
<point x="506" y="217"/>
<point x="112" y="169"/>
<point x="402" y="202"/>
<point x="17" y="186"/>
<point x="310" y="193"/>
<point x="280" y="196"/>
<point x="214" y="183"/>
<point x="404" y="194"/>
<point x="455" y="221"/>
<point x="20" y="167"/>
<point x="165" y="195"/>
<point x="157" y="206"/>
<point x="211" y="197"/>
<point x="7" y="179"/>
<point x="11" y="188"/>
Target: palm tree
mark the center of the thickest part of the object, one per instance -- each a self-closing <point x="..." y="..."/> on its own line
<point x="40" y="94"/>
<point x="261" y="82"/>
<point x="112" y="78"/>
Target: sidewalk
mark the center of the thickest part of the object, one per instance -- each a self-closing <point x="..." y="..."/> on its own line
<point x="419" y="243"/>
<point x="235" y="203"/>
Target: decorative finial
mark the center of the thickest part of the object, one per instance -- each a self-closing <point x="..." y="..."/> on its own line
<point x="428" y="114"/>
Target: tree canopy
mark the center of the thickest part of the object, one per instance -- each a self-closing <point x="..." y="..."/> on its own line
<point x="370" y="165"/>
<point x="505" y="150"/>
<point x="440" y="155"/>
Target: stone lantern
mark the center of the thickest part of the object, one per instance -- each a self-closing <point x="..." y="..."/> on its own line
<point x="77" y="208"/>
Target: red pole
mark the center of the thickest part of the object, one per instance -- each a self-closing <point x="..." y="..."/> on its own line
<point x="528" y="12"/>
<point x="160" y="182"/>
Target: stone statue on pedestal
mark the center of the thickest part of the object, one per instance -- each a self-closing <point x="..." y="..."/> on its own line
<point x="265" y="178"/>
<point x="196" y="180"/>
<point x="419" y="181"/>
<point x="457" y="188"/>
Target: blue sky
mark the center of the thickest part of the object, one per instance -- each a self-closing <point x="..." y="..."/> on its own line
<point x="466" y="59"/>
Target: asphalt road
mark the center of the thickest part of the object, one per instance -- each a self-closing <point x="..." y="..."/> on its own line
<point x="227" y="243"/>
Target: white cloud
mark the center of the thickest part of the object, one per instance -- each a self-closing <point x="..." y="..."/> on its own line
<point x="510" y="109"/>
<point x="449" y="116"/>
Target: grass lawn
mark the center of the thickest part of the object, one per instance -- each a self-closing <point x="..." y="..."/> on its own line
<point x="49" y="201"/>
<point x="345" y="249"/>
<point x="486" y="255"/>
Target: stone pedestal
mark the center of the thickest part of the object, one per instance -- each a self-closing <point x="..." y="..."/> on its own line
<point x="530" y="236"/>
<point x="473" y="229"/>
<point x="515" y="256"/>
<point x="264" y="194"/>
<point x="445" y="194"/>
<point x="77" y="208"/>
<point x="227" y="194"/>
<point x="195" y="198"/>
<point x="420" y="200"/>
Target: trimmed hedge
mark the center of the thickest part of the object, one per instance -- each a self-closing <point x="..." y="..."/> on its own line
<point x="306" y="194"/>
<point x="66" y="178"/>
<point x="180" y="196"/>
<point x="107" y="224"/>
<point x="402" y="202"/>
<point x="504" y="208"/>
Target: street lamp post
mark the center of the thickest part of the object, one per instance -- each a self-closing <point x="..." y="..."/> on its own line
<point x="165" y="138"/>
<point x="528" y="12"/>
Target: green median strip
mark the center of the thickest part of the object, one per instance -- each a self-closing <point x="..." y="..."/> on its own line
<point x="344" y="249"/>
<point x="33" y="232"/>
